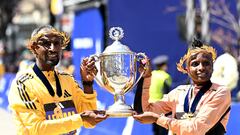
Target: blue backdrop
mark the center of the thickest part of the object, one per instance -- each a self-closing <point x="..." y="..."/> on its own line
<point x="149" y="28"/>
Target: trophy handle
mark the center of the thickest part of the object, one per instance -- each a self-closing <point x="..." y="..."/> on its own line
<point x="140" y="56"/>
<point x="96" y="59"/>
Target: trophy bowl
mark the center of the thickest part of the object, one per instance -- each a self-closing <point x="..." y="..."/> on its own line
<point x="117" y="67"/>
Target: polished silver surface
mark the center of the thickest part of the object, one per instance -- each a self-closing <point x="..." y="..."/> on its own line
<point x="117" y="67"/>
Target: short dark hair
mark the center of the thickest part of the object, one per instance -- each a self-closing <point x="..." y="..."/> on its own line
<point x="51" y="30"/>
<point x="36" y="30"/>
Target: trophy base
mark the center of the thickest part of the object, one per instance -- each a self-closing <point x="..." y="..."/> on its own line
<point x="119" y="110"/>
<point x="119" y="114"/>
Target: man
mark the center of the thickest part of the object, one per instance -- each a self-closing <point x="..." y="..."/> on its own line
<point x="45" y="101"/>
<point x="160" y="85"/>
<point x="201" y="108"/>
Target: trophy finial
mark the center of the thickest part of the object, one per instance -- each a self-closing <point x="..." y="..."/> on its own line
<point x="116" y="33"/>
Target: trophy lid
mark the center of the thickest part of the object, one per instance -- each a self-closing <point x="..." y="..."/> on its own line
<point x="116" y="33"/>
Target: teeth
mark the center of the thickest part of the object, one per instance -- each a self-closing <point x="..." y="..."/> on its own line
<point x="52" y="54"/>
<point x="202" y="75"/>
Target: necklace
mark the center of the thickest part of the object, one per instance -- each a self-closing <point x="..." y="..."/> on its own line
<point x="190" y="110"/>
<point x="58" y="109"/>
<point x="44" y="80"/>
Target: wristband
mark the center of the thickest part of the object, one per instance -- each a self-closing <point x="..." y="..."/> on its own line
<point x="87" y="83"/>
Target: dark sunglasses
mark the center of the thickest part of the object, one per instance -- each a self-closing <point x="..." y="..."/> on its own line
<point x="48" y="42"/>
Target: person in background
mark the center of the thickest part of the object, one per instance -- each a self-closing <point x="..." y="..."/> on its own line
<point x="45" y="101"/>
<point x="2" y="66"/>
<point x="238" y="96"/>
<point x="201" y="108"/>
<point x="27" y="60"/>
<point x="160" y="84"/>
<point x="225" y="70"/>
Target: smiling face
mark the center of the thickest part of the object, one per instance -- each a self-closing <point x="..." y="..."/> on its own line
<point x="48" y="50"/>
<point x="200" y="67"/>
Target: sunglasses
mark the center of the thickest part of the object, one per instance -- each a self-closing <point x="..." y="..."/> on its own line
<point x="48" y="42"/>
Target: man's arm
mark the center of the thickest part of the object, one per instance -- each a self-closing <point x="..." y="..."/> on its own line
<point x="30" y="117"/>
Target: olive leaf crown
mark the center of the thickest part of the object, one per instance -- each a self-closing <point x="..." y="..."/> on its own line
<point x="196" y="47"/>
<point x="34" y="39"/>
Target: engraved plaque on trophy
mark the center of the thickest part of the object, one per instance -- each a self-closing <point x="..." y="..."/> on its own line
<point x="117" y="71"/>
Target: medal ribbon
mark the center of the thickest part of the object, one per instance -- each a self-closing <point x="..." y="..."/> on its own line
<point x="44" y="80"/>
<point x="199" y="95"/>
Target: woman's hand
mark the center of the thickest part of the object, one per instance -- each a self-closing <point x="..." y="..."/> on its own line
<point x="146" y="117"/>
<point x="145" y="67"/>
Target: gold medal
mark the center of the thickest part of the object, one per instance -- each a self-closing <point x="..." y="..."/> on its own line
<point x="187" y="115"/>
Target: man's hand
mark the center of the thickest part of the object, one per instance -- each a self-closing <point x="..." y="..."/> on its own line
<point x="93" y="117"/>
<point x="146" y="117"/>
<point x="88" y="69"/>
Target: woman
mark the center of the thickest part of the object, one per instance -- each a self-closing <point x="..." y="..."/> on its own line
<point x="196" y="109"/>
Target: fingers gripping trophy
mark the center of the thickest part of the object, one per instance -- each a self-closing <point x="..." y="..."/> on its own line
<point x="117" y="72"/>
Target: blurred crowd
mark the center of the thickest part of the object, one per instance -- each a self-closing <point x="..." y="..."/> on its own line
<point x="23" y="58"/>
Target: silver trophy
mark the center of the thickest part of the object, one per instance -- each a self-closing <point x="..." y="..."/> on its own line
<point x="117" y="69"/>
